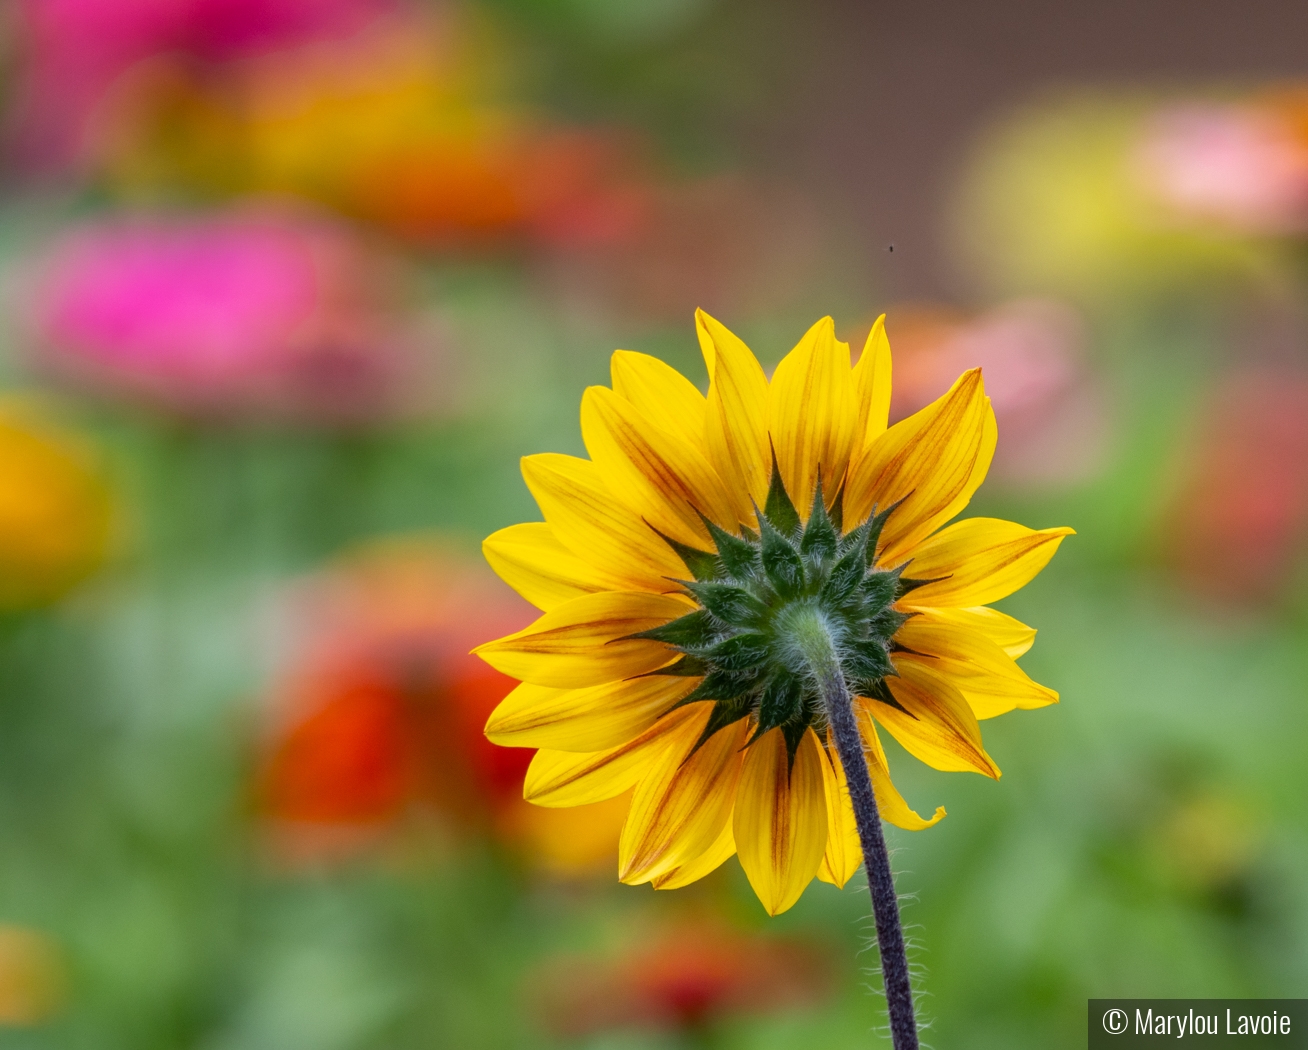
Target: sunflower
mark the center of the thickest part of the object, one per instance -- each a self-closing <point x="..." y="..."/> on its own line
<point x="721" y="568"/>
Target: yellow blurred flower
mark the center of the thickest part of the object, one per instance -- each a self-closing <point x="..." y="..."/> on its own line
<point x="1065" y="197"/>
<point x="31" y="979"/>
<point x="55" y="511"/>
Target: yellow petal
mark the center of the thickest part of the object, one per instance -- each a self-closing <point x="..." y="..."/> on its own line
<point x="681" y="805"/>
<point x="812" y="414"/>
<point x="586" y="641"/>
<point x="566" y="778"/>
<point x="736" y="425"/>
<point x="936" y="726"/>
<point x="1012" y="636"/>
<point x="987" y="676"/>
<point x="596" y="527"/>
<point x="660" y="392"/>
<point x="844" y="852"/>
<point x="710" y="860"/>
<point x="933" y="461"/>
<point x="872" y="389"/>
<point x="980" y="560"/>
<point x="781" y="818"/>
<point x="658" y="473"/>
<point x="531" y="560"/>
<point x="593" y="719"/>
<point x="890" y="803"/>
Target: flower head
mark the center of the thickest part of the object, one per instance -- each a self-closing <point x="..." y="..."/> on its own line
<point x="684" y="567"/>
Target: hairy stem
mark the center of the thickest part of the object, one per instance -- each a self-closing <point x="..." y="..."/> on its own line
<point x="821" y="655"/>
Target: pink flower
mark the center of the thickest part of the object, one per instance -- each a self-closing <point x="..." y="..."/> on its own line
<point x="1240" y="166"/>
<point x="245" y="314"/>
<point x="1050" y="413"/>
<point x="76" y="49"/>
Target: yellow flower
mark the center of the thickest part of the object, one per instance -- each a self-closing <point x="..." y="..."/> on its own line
<point x="55" y="511"/>
<point x="671" y="656"/>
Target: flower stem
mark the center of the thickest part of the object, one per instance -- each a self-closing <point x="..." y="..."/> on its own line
<point x="821" y="655"/>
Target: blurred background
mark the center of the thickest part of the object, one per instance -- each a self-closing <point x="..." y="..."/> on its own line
<point x="290" y="285"/>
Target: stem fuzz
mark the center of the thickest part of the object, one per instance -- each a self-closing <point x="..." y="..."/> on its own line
<point x="821" y="655"/>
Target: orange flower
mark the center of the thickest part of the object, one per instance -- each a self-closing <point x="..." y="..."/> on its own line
<point x="381" y="714"/>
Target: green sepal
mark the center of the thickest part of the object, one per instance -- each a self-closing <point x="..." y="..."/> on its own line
<point x="702" y="565"/>
<point x="782" y="564"/>
<point x="845" y="577"/>
<point x="881" y="588"/>
<point x="837" y="511"/>
<point x="908" y="583"/>
<point x="868" y="660"/>
<point x="733" y="605"/>
<point x="780" y="511"/>
<point x="723" y="715"/>
<point x="886" y="622"/>
<point x="782" y="699"/>
<point x="820" y="538"/>
<point x="722" y="686"/>
<point x="794" y="734"/>
<point x="692" y="631"/>
<point x="738" y="556"/>
<point x="875" y="524"/>
<point x="741" y="652"/>
<point x="686" y="667"/>
<point x="878" y="690"/>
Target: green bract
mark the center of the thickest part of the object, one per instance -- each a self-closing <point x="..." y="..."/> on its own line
<point x="758" y="595"/>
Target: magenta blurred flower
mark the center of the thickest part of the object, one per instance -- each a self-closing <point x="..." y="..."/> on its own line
<point x="1050" y="413"/>
<point x="76" y="49"/>
<point x="1243" y="167"/>
<point x="243" y="314"/>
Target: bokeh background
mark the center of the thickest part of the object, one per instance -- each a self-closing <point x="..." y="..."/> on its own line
<point x="290" y="285"/>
